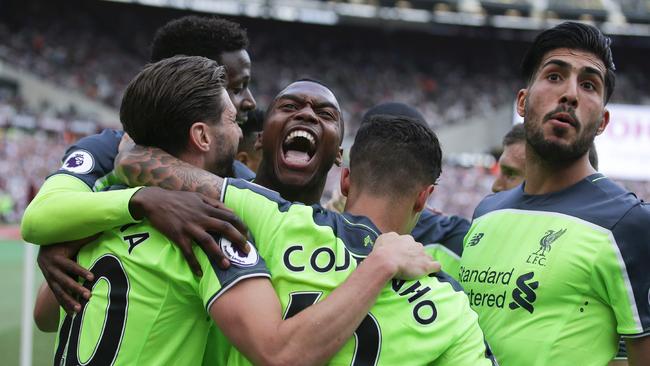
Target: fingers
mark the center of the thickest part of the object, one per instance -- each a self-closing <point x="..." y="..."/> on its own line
<point x="72" y="267"/>
<point x="69" y="285"/>
<point x="228" y="231"/>
<point x="67" y="302"/>
<point x="186" y="249"/>
<point x="229" y="216"/>
<point x="211" y="249"/>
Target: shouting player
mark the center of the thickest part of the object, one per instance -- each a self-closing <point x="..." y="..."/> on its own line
<point x="147" y="306"/>
<point x="556" y="268"/>
<point x="310" y="250"/>
<point x="55" y="214"/>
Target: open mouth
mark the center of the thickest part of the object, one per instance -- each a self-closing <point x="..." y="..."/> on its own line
<point x="299" y="147"/>
<point x="564" y="118"/>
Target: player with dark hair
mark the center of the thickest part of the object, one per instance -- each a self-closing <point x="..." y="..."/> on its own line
<point x="146" y="277"/>
<point x="556" y="268"/>
<point x="249" y="152"/>
<point x="310" y="250"/>
<point x="441" y="235"/>
<point x="182" y="217"/>
<point x="512" y="162"/>
<point x="217" y="39"/>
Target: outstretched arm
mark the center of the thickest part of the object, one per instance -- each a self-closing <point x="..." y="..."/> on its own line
<point x="250" y="313"/>
<point x="150" y="166"/>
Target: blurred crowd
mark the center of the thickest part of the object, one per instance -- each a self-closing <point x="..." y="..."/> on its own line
<point x="449" y="79"/>
<point x="28" y="156"/>
<point x="95" y="50"/>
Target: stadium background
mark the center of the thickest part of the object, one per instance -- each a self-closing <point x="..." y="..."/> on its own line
<point x="64" y="64"/>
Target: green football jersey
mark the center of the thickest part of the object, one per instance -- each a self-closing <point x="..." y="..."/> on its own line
<point x="556" y="278"/>
<point x="147" y="307"/>
<point x="310" y="251"/>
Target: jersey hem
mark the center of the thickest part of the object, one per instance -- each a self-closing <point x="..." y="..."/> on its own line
<point x="645" y="333"/>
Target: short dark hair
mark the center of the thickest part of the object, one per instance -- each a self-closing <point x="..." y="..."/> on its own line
<point x="393" y="155"/>
<point x="394" y="109"/>
<point x="315" y="81"/>
<point x="167" y="97"/>
<point x="572" y="35"/>
<point x="254" y="124"/>
<point x="517" y="134"/>
<point x="198" y="36"/>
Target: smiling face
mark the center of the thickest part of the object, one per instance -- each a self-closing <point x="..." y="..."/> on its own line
<point x="238" y="75"/>
<point x="564" y="105"/>
<point x="301" y="136"/>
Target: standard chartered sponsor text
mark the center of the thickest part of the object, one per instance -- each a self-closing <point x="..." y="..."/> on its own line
<point x="495" y="296"/>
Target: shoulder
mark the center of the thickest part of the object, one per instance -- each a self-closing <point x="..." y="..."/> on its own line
<point x="633" y="226"/>
<point x="498" y="201"/>
<point x="240" y="170"/>
<point x="252" y="191"/>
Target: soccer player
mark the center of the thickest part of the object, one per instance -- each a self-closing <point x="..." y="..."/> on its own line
<point x="441" y="235"/>
<point x="512" y="162"/>
<point x="556" y="268"/>
<point x="88" y="163"/>
<point x="153" y="308"/>
<point x="249" y="152"/>
<point x="310" y="251"/>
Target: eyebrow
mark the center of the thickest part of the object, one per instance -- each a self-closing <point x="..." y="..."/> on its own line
<point x="566" y="65"/>
<point x="298" y="99"/>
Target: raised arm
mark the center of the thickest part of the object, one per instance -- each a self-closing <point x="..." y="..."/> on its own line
<point x="250" y="313"/>
<point x="150" y="166"/>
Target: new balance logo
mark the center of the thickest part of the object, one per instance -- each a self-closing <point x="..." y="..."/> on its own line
<point x="527" y="289"/>
<point x="367" y="241"/>
<point x="475" y="239"/>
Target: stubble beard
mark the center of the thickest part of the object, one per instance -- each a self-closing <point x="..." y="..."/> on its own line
<point x="555" y="153"/>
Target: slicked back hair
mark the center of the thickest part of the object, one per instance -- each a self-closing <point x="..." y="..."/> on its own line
<point x="394" y="155"/>
<point x="198" y="36"/>
<point x="576" y="36"/>
<point x="163" y="101"/>
<point x="517" y="134"/>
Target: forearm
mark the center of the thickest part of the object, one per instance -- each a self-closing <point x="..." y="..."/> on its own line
<point x="66" y="209"/>
<point x="46" y="310"/>
<point x="149" y="166"/>
<point x="638" y="351"/>
<point x="326" y="326"/>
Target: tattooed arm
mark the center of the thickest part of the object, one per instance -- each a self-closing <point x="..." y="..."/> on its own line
<point x="150" y="166"/>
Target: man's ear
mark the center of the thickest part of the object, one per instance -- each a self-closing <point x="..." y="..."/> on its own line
<point x="423" y="196"/>
<point x="339" y="157"/>
<point x="242" y="156"/>
<point x="200" y="137"/>
<point x="258" y="141"/>
<point x="521" y="102"/>
<point x="345" y="181"/>
<point x="603" y="123"/>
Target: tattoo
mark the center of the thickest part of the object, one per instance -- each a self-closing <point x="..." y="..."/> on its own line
<point x="150" y="166"/>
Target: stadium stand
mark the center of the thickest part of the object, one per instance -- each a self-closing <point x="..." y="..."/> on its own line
<point x="96" y="47"/>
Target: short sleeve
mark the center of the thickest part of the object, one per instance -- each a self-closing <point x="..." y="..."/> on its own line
<point x="621" y="273"/>
<point x="92" y="157"/>
<point x="216" y="281"/>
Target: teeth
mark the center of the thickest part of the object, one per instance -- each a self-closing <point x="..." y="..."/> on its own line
<point x="300" y="133"/>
